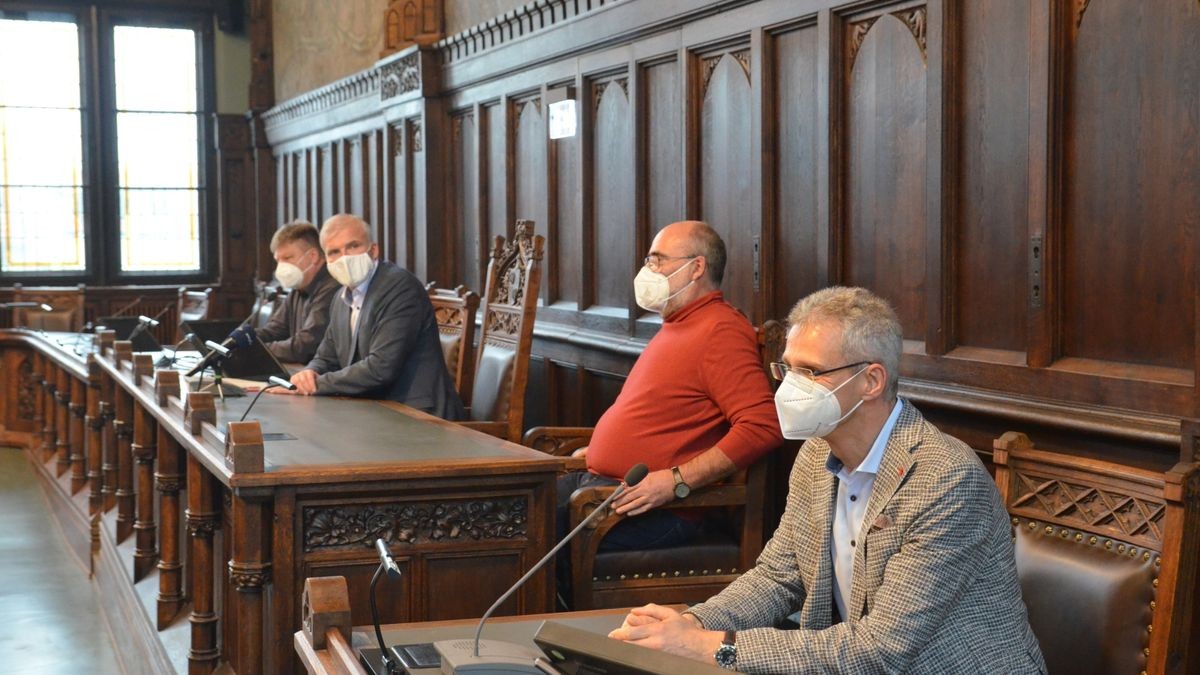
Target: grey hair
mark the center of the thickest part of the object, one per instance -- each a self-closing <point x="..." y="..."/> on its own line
<point x="342" y="220"/>
<point x="870" y="329"/>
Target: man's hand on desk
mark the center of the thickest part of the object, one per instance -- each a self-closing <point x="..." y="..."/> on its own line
<point x="656" y="489"/>
<point x="665" y="629"/>
<point x="305" y="381"/>
<point x="581" y="453"/>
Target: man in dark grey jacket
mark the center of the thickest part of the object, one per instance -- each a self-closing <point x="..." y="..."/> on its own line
<point x="298" y="325"/>
<point x="382" y="341"/>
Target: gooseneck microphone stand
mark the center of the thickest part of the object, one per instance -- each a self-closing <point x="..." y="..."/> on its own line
<point x="386" y="566"/>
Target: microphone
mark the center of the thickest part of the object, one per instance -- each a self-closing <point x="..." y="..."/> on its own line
<point x="273" y="382"/>
<point x="26" y="305"/>
<point x="145" y="323"/>
<point x="242" y="336"/>
<point x="386" y="564"/>
<point x="459" y="656"/>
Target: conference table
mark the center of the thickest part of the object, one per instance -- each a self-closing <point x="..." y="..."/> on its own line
<point x="200" y="529"/>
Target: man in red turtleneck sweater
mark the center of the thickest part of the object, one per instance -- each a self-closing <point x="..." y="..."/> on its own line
<point x="696" y="406"/>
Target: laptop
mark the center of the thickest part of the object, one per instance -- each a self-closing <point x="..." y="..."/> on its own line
<point x="254" y="362"/>
<point x="124" y="326"/>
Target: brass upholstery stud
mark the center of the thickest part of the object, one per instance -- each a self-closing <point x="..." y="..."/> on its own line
<point x="1155" y="582"/>
<point x="1108" y="544"/>
<point x="1016" y="521"/>
<point x="733" y="570"/>
<point x="622" y="576"/>
<point x="1049" y="529"/>
<point x="1032" y="525"/>
<point x="1093" y="540"/>
<point x="1158" y="561"/>
<point x="718" y="570"/>
<point x="1121" y="548"/>
<point x="1064" y="534"/>
<point x="1146" y="652"/>
<point x="1153" y="605"/>
<point x="1146" y="555"/>
<point x="1150" y="628"/>
<point x="1078" y="536"/>
<point x="636" y="576"/>
<point x="676" y="572"/>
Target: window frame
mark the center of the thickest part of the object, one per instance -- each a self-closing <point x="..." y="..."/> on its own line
<point x="102" y="224"/>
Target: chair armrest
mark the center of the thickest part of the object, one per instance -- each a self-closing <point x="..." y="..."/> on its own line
<point x="559" y="441"/>
<point x="497" y="429"/>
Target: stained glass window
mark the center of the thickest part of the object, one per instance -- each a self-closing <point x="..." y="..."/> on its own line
<point x="157" y="124"/>
<point x="42" y="227"/>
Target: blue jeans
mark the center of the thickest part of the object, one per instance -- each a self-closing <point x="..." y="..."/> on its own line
<point x="656" y="529"/>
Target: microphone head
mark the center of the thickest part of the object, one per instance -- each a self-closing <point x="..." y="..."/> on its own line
<point x="242" y="336"/>
<point x="147" y="320"/>
<point x="280" y="382"/>
<point x="217" y="347"/>
<point x="45" y="307"/>
<point x="635" y="474"/>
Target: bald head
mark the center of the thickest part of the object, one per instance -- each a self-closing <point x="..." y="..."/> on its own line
<point x="695" y="238"/>
<point x="346" y="221"/>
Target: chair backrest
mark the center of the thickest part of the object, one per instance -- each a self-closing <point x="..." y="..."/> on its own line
<point x="267" y="298"/>
<point x="506" y="336"/>
<point x="454" y="311"/>
<point x="67" y="305"/>
<point x="1106" y="555"/>
<point x="193" y="305"/>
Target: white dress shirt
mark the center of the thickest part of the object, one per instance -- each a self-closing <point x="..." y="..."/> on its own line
<point x="354" y="298"/>
<point x="853" y="494"/>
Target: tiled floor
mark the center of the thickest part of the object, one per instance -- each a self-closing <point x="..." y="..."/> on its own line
<point x="49" y="621"/>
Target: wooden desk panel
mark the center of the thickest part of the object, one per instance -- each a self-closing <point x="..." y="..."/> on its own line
<point x="464" y="513"/>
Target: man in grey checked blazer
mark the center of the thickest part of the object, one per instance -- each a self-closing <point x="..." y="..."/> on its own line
<point x="933" y="583"/>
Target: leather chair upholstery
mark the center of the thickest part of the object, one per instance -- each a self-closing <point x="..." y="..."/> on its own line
<point x="492" y="398"/>
<point x="1088" y="599"/>
<point x="454" y="310"/>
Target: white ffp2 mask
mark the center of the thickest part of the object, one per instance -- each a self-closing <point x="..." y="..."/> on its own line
<point x="808" y="409"/>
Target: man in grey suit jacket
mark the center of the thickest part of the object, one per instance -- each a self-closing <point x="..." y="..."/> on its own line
<point x="894" y="549"/>
<point x="382" y="341"/>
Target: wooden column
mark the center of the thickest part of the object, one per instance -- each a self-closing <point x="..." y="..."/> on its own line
<point x="203" y="519"/>
<point x="108" y="444"/>
<point x="38" y="381"/>
<point x="62" y="419"/>
<point x="94" y="423"/>
<point x="75" y="437"/>
<point x="168" y="480"/>
<point x="250" y="565"/>
<point x="50" y="410"/>
<point x="143" y="449"/>
<point x="123" y="426"/>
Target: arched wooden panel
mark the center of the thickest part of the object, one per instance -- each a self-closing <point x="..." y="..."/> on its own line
<point x="566" y="244"/>
<point x="497" y="171"/>
<point x="418" y="236"/>
<point x="613" y="203"/>
<point x="885" y="193"/>
<point x="795" y="270"/>
<point x="530" y="170"/>
<point x="991" y="289"/>
<point x="664" y="170"/>
<point x="466" y="194"/>
<point x="355" y="179"/>
<point x="725" y="168"/>
<point x="1132" y="188"/>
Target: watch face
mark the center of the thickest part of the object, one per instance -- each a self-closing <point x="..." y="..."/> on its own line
<point x="682" y="490"/>
<point x="726" y="656"/>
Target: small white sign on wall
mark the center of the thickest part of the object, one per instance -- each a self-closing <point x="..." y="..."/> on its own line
<point x="562" y="119"/>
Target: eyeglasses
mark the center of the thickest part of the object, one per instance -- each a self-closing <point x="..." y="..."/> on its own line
<point x="779" y="370"/>
<point x="655" y="260"/>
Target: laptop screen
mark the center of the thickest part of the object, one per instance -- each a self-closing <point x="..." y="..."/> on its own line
<point x="254" y="362"/>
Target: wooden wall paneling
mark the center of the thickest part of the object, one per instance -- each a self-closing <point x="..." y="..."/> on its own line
<point x="529" y="160"/>
<point x="586" y="270"/>
<point x="401" y="193"/>
<point x="482" y="196"/>
<point x="938" y="32"/>
<point x="371" y="166"/>
<point x="728" y="178"/>
<point x="991" y="289"/>
<point x="831" y="152"/>
<point x="663" y="152"/>
<point x="282" y="188"/>
<point x="691" y="95"/>
<point x="763" y="133"/>
<point x="1132" y="191"/>
<point x="613" y="191"/>
<point x="792" y="177"/>
<point x="498" y="174"/>
<point x="328" y="162"/>
<point x="239" y="235"/>
<point x="303" y="205"/>
<point x="314" y="186"/>
<point x="1045" y="118"/>
<point x="550" y="273"/>
<point x="348" y="178"/>
<point x="385" y="224"/>
<point x="419" y="226"/>
<point x="885" y="247"/>
<point x="465" y="179"/>
<point x="564" y="257"/>
<point x="639" y="123"/>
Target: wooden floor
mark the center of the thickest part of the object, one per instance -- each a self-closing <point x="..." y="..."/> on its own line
<point x="48" y="609"/>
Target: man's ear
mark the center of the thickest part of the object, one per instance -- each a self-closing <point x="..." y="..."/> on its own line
<point x="374" y="251"/>
<point x="876" y="379"/>
<point x="700" y="268"/>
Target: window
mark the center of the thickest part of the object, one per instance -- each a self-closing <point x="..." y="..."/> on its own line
<point x="103" y="140"/>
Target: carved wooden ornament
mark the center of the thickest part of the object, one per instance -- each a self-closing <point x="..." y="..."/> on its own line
<point x="166" y="384"/>
<point x="326" y="605"/>
<point x="244" y="447"/>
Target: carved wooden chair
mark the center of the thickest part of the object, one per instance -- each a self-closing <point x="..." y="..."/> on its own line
<point x="454" y="311"/>
<point x="690" y="572"/>
<point x="1107" y="556"/>
<point x="67" y="303"/>
<point x="506" y="336"/>
<point x="192" y="306"/>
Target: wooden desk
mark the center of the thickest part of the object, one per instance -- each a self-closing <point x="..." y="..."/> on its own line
<point x="217" y="557"/>
<point x="339" y="657"/>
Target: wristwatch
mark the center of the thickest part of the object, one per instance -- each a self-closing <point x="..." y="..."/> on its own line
<point x="726" y="655"/>
<point x="682" y="489"/>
